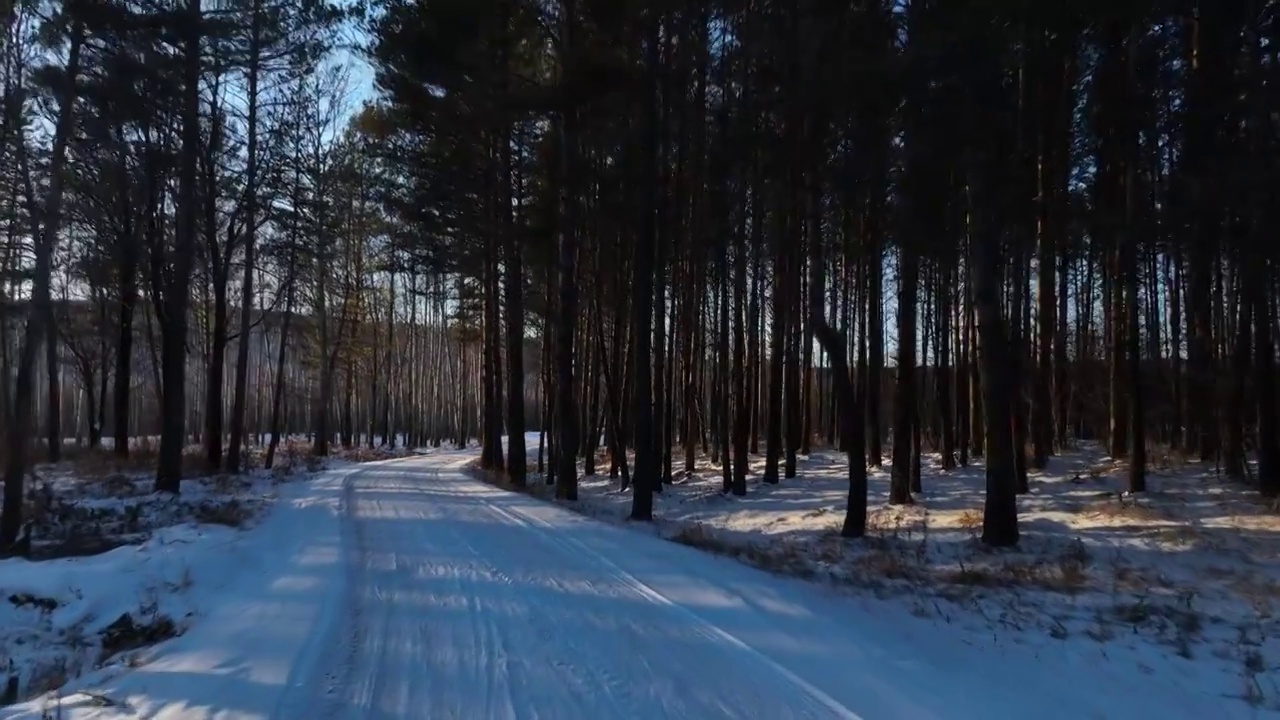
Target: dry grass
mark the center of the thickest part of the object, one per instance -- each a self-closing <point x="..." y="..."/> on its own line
<point x="1165" y="459"/>
<point x="128" y="633"/>
<point x="100" y="464"/>
<point x="47" y="677"/>
<point x="1178" y="535"/>
<point x="896" y="548"/>
<point x="533" y="487"/>
<point x="292" y="456"/>
<point x="897" y="521"/>
<point x="232" y="513"/>
<point x="1129" y="579"/>
<point x="1066" y="574"/>
<point x="698" y="536"/>
<point x="971" y="522"/>
<point x="361" y="453"/>
<point x="1129" y="508"/>
<point x="783" y="558"/>
<point x="882" y="561"/>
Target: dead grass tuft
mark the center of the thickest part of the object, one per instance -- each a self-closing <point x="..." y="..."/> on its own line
<point x="361" y="453"/>
<point x="1165" y="459"/>
<point x="229" y="484"/>
<point x="231" y="513"/>
<point x="830" y="548"/>
<point x="1064" y="572"/>
<point x="47" y="677"/>
<point x="1127" y="578"/>
<point x="127" y="633"/>
<point x="971" y="522"/>
<point x="144" y="454"/>
<point x="697" y="535"/>
<point x="1129" y="508"/>
<point x="534" y="487"/>
<point x="975" y="576"/>
<point x="1258" y="589"/>
<point x="784" y="558"/>
<point x="885" y="559"/>
<point x="896" y="521"/>
<point x="1183" y="535"/>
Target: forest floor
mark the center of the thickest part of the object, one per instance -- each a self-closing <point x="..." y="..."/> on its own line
<point x="1182" y="581"/>
<point x="116" y="567"/>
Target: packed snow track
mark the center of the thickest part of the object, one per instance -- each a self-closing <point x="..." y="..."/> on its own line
<point x="409" y="590"/>
<point x="466" y="602"/>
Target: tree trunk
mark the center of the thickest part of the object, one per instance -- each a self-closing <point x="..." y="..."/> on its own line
<point x="240" y="392"/>
<point x="646" y="478"/>
<point x="21" y="420"/>
<point x="1000" y="512"/>
<point x="176" y="300"/>
<point x="53" y="369"/>
<point x="567" y="318"/>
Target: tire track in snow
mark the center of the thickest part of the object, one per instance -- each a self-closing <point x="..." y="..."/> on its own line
<point x="545" y="529"/>
<point x="353" y="615"/>
<point x="580" y="666"/>
<point x="299" y="687"/>
<point x="437" y="620"/>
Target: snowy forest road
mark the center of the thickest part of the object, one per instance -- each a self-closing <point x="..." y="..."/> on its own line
<point x="467" y="602"/>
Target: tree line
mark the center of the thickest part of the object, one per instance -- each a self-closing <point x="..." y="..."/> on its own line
<point x="656" y="231"/>
<point x="719" y="211"/>
<point x="195" y="246"/>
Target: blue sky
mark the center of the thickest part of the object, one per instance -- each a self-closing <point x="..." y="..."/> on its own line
<point x="349" y="53"/>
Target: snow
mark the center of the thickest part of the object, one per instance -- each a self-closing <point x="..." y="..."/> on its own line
<point x="149" y="580"/>
<point x="1177" y="588"/>
<point x="409" y="589"/>
<point x="105" y="545"/>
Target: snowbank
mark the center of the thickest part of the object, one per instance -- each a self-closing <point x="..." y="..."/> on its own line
<point x="61" y="618"/>
<point x="116" y="568"/>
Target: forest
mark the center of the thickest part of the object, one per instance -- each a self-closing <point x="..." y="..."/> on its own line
<point x="923" y="233"/>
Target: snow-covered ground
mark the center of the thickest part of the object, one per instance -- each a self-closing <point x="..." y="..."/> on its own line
<point x="406" y="589"/>
<point x="409" y="590"/>
<point x="116" y="567"/>
<point x="1181" y="583"/>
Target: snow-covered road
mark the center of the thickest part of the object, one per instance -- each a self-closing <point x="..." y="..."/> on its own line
<point x="467" y="603"/>
<point x="409" y="590"/>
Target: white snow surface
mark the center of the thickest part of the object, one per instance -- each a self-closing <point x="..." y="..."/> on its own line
<point x="408" y="589"/>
